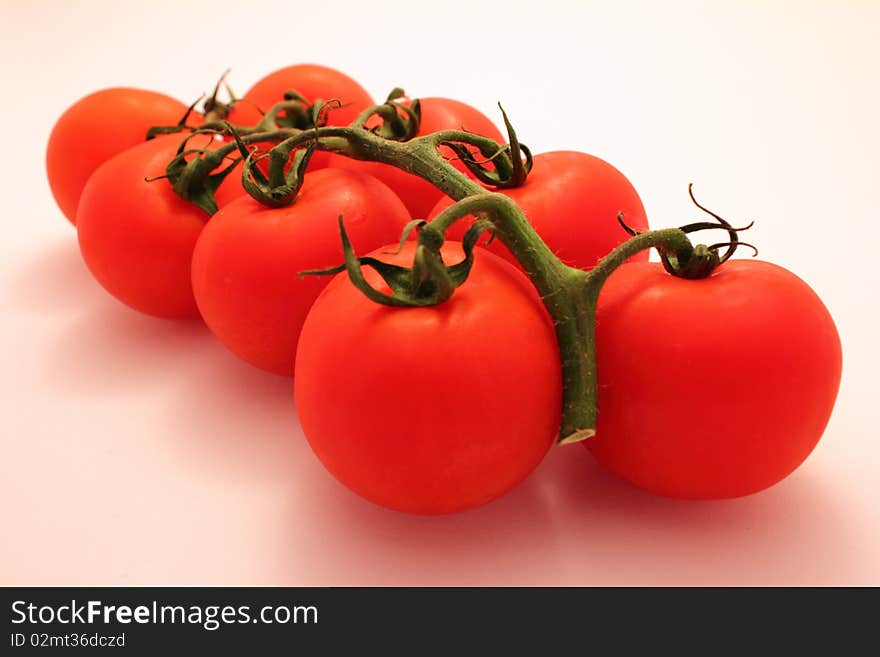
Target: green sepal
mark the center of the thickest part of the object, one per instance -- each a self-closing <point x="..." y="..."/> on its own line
<point x="459" y="272"/>
<point x="399" y="121"/>
<point x="196" y="179"/>
<point x="508" y="167"/>
<point x="294" y="95"/>
<point x="294" y="111"/>
<point x="701" y="260"/>
<point x="320" y="110"/>
<point x="521" y="169"/>
<point x="280" y="187"/>
<point x="499" y="175"/>
<point x="395" y="94"/>
<point x="407" y="230"/>
<point x="294" y="116"/>
<point x="157" y="130"/>
<point x="427" y="283"/>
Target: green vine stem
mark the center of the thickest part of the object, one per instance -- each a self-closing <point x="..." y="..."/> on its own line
<point x="570" y="295"/>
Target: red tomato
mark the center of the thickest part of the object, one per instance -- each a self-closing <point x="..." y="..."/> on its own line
<point x="711" y="388"/>
<point x="438" y="114"/>
<point x="246" y="261"/>
<point x="96" y="128"/>
<point x="572" y="200"/>
<point x="312" y="82"/>
<point x="137" y="237"/>
<point x="435" y="409"/>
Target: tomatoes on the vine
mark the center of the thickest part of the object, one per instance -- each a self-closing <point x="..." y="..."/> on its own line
<point x="572" y="200"/>
<point x="137" y="235"/>
<point x="313" y="82"/>
<point x="247" y="259"/>
<point x="701" y="388"/>
<point x="431" y="409"/>
<point x="96" y="128"/>
<point x="438" y="114"/>
<point x="711" y="388"/>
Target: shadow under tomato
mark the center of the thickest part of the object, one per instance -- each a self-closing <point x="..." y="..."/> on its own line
<point x="95" y="346"/>
<point x="791" y="532"/>
<point x="107" y="349"/>
<point x="234" y="422"/>
<point x="55" y="279"/>
<point x="572" y="523"/>
<point x="345" y="540"/>
<point x="232" y="419"/>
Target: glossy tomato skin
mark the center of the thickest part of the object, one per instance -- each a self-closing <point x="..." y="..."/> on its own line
<point x="313" y="82"/>
<point x="436" y="409"/>
<point x="712" y="388"/>
<point x="438" y="114"/>
<point x="247" y="259"/>
<point x="137" y="237"/>
<point x="96" y="128"/>
<point x="572" y="200"/>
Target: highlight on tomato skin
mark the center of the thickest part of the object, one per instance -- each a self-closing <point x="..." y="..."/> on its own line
<point x="246" y="261"/>
<point x="435" y="409"/>
<point x="438" y="114"/>
<point x="572" y="200"/>
<point x="712" y="388"/>
<point x="97" y="127"/>
<point x="137" y="235"/>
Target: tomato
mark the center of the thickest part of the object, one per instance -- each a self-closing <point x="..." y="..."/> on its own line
<point x="96" y="128"/>
<point x="572" y="200"/>
<point x="312" y="82"/>
<point x="711" y="388"/>
<point x="432" y="409"/>
<point x="438" y="114"/>
<point x="137" y="237"/>
<point x="246" y="261"/>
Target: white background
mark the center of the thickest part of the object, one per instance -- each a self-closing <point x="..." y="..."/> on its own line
<point x="139" y="451"/>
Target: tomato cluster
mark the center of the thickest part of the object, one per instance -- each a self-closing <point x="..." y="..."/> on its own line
<point x="430" y="376"/>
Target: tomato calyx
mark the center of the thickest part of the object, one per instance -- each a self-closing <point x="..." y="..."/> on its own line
<point x="495" y="171"/>
<point x="282" y="184"/>
<point x="196" y="173"/>
<point x="428" y="282"/>
<point x="398" y="121"/>
<point x="213" y="110"/>
<point x="701" y="260"/>
<point x="297" y="113"/>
